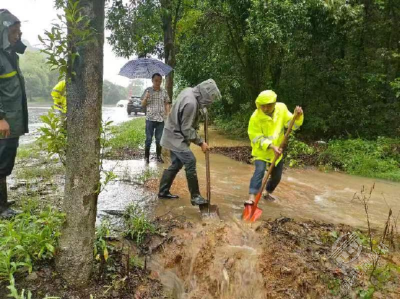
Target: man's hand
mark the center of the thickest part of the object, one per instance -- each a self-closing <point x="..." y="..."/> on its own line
<point x="4" y="128"/>
<point x="204" y="147"/>
<point x="277" y="150"/>
<point x="147" y="95"/>
<point x="299" y="111"/>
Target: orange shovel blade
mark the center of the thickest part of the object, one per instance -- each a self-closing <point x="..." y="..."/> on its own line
<point x="247" y="213"/>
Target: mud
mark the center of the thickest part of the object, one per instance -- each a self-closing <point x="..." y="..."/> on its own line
<point x="276" y="259"/>
<point x="242" y="154"/>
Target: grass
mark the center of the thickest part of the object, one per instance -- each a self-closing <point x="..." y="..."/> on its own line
<point x="376" y="159"/>
<point x="146" y="175"/>
<point x="30" y="237"/>
<point x="29" y="151"/>
<point x="137" y="226"/>
<point x="130" y="134"/>
<point x="45" y="172"/>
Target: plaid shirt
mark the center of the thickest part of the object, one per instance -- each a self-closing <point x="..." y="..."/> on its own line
<point x="155" y="109"/>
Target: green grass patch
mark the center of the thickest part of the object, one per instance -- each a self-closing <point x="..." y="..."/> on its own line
<point x="376" y="159"/>
<point x="130" y="135"/>
<point x="43" y="171"/>
<point x="29" y="151"/>
<point x="30" y="237"/>
<point x="137" y="226"/>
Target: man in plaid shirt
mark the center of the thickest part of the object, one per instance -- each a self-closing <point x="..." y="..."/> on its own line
<point x="157" y="104"/>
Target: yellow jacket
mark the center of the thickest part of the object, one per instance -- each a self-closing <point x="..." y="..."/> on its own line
<point x="264" y="130"/>
<point x="59" y="96"/>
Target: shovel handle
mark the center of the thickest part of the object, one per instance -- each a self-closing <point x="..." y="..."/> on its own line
<point x="207" y="154"/>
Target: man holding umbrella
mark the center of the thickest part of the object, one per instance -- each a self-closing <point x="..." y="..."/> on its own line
<point x="180" y="131"/>
<point x="157" y="104"/>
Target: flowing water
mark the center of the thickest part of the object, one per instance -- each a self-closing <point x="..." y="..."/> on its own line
<point x="302" y="193"/>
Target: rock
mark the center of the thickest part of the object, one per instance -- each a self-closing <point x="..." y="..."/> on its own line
<point x="32" y="277"/>
<point x="286" y="270"/>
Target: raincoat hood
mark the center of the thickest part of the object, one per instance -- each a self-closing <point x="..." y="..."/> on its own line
<point x="208" y="92"/>
<point x="6" y="20"/>
<point x="266" y="97"/>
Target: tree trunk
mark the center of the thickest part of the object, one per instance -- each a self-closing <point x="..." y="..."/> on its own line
<point x="75" y="260"/>
<point x="169" y="46"/>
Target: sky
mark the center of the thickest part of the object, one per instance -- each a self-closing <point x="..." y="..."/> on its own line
<point x="37" y="15"/>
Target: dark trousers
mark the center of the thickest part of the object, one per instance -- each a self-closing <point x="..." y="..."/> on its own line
<point x="8" y="152"/>
<point x="180" y="159"/>
<point x="259" y="172"/>
<point x="151" y="128"/>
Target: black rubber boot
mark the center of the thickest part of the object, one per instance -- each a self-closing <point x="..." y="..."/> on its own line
<point x="165" y="184"/>
<point x="193" y="183"/>
<point x="147" y="155"/>
<point x="159" y="157"/>
<point x="5" y="211"/>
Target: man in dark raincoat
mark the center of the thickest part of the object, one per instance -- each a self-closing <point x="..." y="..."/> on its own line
<point x="13" y="103"/>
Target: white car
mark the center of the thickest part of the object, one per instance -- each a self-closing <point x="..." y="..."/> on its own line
<point x="122" y="103"/>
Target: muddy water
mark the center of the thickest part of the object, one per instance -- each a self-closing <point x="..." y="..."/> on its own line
<point x="302" y="193"/>
<point x="110" y="113"/>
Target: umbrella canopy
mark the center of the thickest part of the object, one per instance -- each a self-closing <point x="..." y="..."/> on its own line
<point x="144" y="68"/>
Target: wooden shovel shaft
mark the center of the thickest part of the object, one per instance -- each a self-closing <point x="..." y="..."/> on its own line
<point x="271" y="167"/>
<point x="208" y="175"/>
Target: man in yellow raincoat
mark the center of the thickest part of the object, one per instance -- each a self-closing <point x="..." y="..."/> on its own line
<point x="59" y="97"/>
<point x="266" y="133"/>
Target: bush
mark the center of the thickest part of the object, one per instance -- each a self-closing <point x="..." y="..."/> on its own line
<point x="30" y="237"/>
<point x="378" y="159"/>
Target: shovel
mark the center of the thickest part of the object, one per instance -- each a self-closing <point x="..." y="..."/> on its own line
<point x="251" y="212"/>
<point x="208" y="210"/>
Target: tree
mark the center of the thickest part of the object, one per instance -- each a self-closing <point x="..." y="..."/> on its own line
<point x="146" y="27"/>
<point x="84" y="90"/>
<point x="339" y="59"/>
<point x="112" y="93"/>
<point x="39" y="80"/>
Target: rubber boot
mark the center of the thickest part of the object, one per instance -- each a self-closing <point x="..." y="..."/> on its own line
<point x="159" y="157"/>
<point x="193" y="183"/>
<point x="165" y="184"/>
<point x="147" y="155"/>
<point x="5" y="211"/>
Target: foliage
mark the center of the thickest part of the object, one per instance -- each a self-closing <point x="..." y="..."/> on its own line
<point x="30" y="237"/>
<point x="130" y="135"/>
<point x="60" y="45"/>
<point x="101" y="249"/>
<point x="297" y="151"/>
<point x="39" y="79"/>
<point x="112" y="93"/>
<point x="138" y="227"/>
<point x="379" y="159"/>
<point x="53" y="138"/>
<point x="338" y="59"/>
<point x="135" y="28"/>
<point x="147" y="175"/>
<point x="366" y="294"/>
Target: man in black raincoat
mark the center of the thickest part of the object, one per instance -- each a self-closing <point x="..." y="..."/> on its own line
<point x="13" y="103"/>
